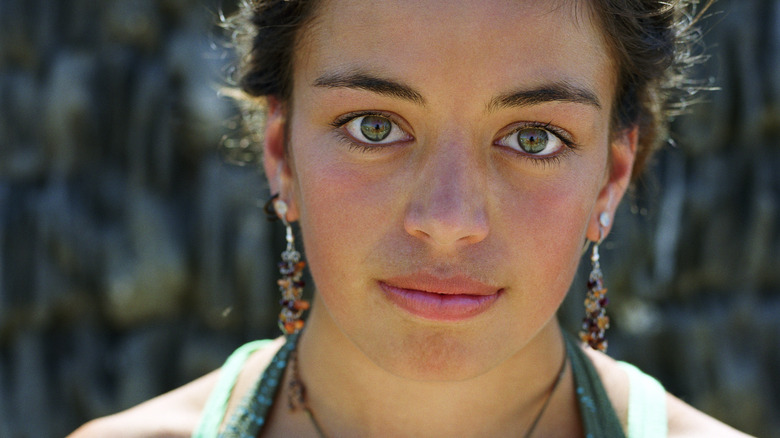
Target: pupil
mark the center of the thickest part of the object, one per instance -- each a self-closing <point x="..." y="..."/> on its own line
<point x="533" y="140"/>
<point x="375" y="128"/>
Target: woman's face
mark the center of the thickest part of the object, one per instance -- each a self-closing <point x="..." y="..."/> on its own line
<point x="447" y="160"/>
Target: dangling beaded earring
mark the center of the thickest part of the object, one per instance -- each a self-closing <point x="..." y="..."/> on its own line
<point x="596" y="321"/>
<point x="291" y="268"/>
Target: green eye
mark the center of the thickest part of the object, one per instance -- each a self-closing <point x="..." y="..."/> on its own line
<point x="535" y="141"/>
<point x="375" y="128"/>
<point x="532" y="140"/>
<point x="372" y="130"/>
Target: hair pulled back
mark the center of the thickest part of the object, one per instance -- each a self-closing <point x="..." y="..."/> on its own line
<point x="652" y="42"/>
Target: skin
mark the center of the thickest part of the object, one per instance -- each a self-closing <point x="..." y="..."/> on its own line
<point x="453" y="202"/>
<point x="455" y="199"/>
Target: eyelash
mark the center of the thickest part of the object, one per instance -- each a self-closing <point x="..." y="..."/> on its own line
<point x="569" y="145"/>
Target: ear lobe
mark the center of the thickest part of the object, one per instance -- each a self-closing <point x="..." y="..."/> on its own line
<point x="275" y="157"/>
<point x="616" y="180"/>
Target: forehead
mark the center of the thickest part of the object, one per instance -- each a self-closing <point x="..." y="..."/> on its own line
<point x="454" y="46"/>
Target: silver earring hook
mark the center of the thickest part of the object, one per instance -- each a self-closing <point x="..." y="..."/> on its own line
<point x="281" y="210"/>
<point x="604" y="221"/>
<point x="594" y="255"/>
<point x="280" y="207"/>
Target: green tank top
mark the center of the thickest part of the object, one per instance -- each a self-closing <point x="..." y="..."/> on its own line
<point x="646" y="413"/>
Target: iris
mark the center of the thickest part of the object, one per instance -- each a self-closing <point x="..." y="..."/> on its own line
<point x="532" y="140"/>
<point x="375" y="128"/>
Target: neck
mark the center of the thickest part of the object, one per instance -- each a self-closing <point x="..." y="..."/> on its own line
<point x="351" y="395"/>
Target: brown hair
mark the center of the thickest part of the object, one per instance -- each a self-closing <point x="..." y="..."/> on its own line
<point x="652" y="43"/>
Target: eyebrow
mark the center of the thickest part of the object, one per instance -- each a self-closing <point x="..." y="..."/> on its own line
<point x="375" y="84"/>
<point x="555" y="92"/>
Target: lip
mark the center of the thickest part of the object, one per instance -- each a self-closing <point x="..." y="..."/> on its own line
<point x="441" y="299"/>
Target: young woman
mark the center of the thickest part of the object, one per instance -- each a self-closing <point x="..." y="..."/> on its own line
<point x="446" y="161"/>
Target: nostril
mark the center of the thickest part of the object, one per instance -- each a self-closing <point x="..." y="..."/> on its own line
<point x="416" y="232"/>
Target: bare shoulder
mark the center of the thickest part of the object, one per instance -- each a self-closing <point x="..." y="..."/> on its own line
<point x="687" y="421"/>
<point x="172" y="414"/>
<point x="683" y="419"/>
<point x="176" y="413"/>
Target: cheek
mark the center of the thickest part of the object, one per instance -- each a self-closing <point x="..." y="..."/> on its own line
<point x="558" y="214"/>
<point x="339" y="217"/>
<point x="546" y="228"/>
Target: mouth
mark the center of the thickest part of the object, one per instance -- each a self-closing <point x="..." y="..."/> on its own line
<point x="440" y="299"/>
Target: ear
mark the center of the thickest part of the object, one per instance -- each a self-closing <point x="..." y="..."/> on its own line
<point x="616" y="180"/>
<point x="275" y="157"/>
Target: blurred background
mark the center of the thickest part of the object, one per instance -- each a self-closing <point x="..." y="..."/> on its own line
<point x="135" y="258"/>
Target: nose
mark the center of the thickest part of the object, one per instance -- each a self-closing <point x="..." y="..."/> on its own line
<point x="449" y="205"/>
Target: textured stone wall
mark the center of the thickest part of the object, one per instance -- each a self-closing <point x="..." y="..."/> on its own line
<point x="133" y="258"/>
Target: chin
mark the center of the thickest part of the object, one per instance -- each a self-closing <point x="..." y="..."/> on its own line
<point x="436" y="356"/>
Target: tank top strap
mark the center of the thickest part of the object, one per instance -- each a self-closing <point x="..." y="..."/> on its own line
<point x="598" y="416"/>
<point x="216" y="405"/>
<point x="250" y="415"/>
<point x="646" y="405"/>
